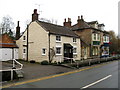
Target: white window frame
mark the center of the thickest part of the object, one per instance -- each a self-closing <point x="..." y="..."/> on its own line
<point x="106" y="39"/>
<point x="42" y="51"/>
<point x="95" y="51"/>
<point x="24" y="38"/>
<point x="74" y="53"/>
<point x="98" y="37"/>
<point x="58" y="40"/>
<point x="94" y="36"/>
<point x="74" y="40"/>
<point x="24" y="51"/>
<point x="60" y="50"/>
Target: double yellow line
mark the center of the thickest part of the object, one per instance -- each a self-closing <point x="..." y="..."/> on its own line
<point x="53" y="76"/>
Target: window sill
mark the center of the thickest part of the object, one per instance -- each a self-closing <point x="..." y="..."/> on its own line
<point x="74" y="53"/>
<point x="58" y="41"/>
<point x="43" y="54"/>
<point x="58" y="54"/>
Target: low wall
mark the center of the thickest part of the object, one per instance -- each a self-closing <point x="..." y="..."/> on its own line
<point x="89" y="62"/>
<point x="6" y="75"/>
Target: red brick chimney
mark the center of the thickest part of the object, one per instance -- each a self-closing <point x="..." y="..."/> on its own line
<point x="17" y="31"/>
<point x="67" y="24"/>
<point x="80" y="20"/>
<point x="35" y="15"/>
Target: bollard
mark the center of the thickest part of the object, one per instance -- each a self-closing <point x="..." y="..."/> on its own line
<point x="89" y="62"/>
<point x="77" y="65"/>
<point x="106" y="59"/>
<point x="13" y="63"/>
<point x="11" y="74"/>
<point x="99" y="60"/>
<point x="71" y="61"/>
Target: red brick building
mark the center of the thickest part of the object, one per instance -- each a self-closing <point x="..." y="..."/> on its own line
<point x="95" y="40"/>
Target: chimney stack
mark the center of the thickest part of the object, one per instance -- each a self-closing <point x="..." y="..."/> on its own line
<point x="80" y="19"/>
<point x="17" y="31"/>
<point x="67" y="24"/>
<point x="35" y="15"/>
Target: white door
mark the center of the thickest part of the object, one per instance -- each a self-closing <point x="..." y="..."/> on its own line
<point x="15" y="53"/>
<point x="6" y="54"/>
<point x="24" y="53"/>
<point x="85" y="53"/>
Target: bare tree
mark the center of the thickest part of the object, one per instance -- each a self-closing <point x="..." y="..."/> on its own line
<point x="6" y="25"/>
<point x="113" y="42"/>
<point x="52" y="54"/>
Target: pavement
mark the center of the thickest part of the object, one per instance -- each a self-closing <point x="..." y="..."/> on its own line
<point x="35" y="70"/>
<point x="97" y="76"/>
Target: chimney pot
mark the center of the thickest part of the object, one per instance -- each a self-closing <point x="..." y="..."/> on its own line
<point x="35" y="11"/>
<point x="18" y="24"/>
<point x="81" y="16"/>
<point x="78" y="17"/>
<point x="68" y="23"/>
<point x="65" y="19"/>
<point x="69" y="19"/>
<point x="17" y="31"/>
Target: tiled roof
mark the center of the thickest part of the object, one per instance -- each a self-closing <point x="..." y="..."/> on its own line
<point x="7" y="42"/>
<point x="81" y="25"/>
<point x="92" y="22"/>
<point x="57" y="29"/>
<point x="101" y="25"/>
<point x="84" y="25"/>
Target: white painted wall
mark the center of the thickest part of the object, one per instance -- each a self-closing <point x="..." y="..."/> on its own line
<point x="6" y="54"/>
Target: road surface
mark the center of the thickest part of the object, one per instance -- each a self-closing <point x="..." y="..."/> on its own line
<point x="98" y="76"/>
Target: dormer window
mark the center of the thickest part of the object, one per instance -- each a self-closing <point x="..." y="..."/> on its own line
<point x="101" y="26"/>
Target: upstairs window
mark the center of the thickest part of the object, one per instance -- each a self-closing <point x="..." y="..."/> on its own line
<point x="58" y="38"/>
<point x="24" y="38"/>
<point x="24" y="51"/>
<point x="98" y="36"/>
<point x="94" y="35"/>
<point x="74" y="40"/>
<point x="105" y="39"/>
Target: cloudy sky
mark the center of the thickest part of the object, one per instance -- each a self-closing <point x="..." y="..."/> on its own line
<point x="104" y="11"/>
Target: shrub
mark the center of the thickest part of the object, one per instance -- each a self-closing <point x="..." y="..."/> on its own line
<point x="32" y="61"/>
<point x="45" y="62"/>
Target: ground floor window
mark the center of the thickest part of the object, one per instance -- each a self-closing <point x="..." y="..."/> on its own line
<point x="58" y="50"/>
<point x="105" y="50"/>
<point x="43" y="51"/>
<point x="74" y="50"/>
<point x="95" y="50"/>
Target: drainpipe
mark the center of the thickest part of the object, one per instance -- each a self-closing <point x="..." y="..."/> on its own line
<point x="27" y="44"/>
<point x="12" y="53"/>
<point x="49" y="46"/>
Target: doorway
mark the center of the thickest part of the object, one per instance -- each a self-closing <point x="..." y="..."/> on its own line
<point x="68" y="51"/>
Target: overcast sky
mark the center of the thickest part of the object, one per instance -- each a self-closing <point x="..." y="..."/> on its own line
<point x="104" y="11"/>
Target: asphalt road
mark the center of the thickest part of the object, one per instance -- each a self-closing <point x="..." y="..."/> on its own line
<point x="102" y="76"/>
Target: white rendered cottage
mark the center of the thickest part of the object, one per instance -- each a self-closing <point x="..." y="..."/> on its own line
<point x="46" y="41"/>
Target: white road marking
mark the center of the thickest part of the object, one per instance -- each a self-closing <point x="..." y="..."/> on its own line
<point x="96" y="82"/>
